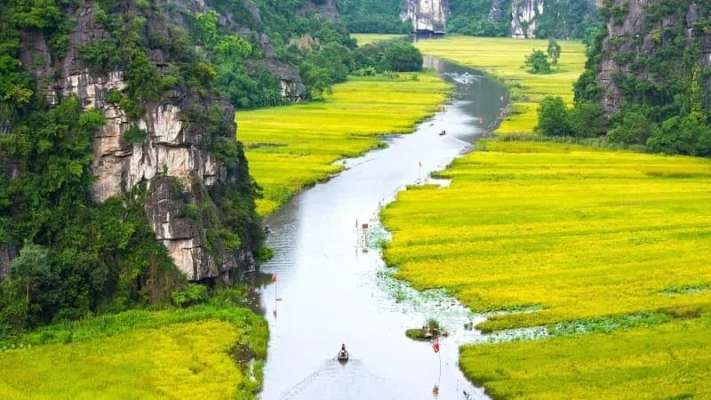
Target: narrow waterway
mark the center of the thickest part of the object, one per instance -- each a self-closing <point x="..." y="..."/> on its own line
<point x="330" y="290"/>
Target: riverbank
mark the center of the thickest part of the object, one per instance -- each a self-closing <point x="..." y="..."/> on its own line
<point x="504" y="59"/>
<point x="583" y="240"/>
<point x="291" y="148"/>
<point x="202" y="352"/>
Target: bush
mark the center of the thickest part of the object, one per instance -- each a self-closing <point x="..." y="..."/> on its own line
<point x="588" y="120"/>
<point x="688" y="134"/>
<point x="553" y="118"/>
<point x="194" y="294"/>
<point x="537" y="63"/>
<point x="634" y="128"/>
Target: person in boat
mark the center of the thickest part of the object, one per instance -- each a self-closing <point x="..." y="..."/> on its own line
<point x="343" y="354"/>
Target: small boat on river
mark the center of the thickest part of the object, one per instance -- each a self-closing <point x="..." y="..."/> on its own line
<point x="343" y="355"/>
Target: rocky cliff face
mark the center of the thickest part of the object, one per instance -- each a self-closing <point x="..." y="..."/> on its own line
<point x="524" y="13"/>
<point x="171" y="162"/>
<point x="426" y="15"/>
<point x="633" y="33"/>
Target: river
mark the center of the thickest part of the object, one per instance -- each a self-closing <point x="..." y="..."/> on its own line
<point x="330" y="290"/>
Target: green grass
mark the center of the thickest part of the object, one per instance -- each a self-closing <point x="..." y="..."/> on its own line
<point x="290" y="148"/>
<point x="370" y="38"/>
<point x="137" y="354"/>
<point x="504" y="58"/>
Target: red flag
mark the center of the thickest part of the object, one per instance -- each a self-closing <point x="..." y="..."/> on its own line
<point x="273" y="278"/>
<point x="435" y="346"/>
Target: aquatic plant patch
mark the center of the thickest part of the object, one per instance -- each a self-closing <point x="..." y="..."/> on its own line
<point x="137" y="354"/>
<point x="290" y="148"/>
<point x="504" y="59"/>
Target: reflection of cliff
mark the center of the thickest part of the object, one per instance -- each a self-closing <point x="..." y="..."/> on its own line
<point x="426" y="15"/>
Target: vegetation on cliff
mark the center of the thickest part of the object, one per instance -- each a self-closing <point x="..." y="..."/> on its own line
<point x="559" y="19"/>
<point x="658" y="96"/>
<point x="80" y="256"/>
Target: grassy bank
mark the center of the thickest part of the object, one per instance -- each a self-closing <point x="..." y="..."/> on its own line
<point x="290" y="148"/>
<point x="610" y="249"/>
<point x="138" y="354"/>
<point x="504" y="58"/>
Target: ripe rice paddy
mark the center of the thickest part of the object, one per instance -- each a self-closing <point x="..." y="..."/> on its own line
<point x="577" y="234"/>
<point x="290" y="148"/>
<point x="504" y="58"/>
<point x="138" y="354"/>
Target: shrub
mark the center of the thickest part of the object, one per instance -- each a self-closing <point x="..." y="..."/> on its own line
<point x="634" y="128"/>
<point x="553" y="118"/>
<point x="192" y="295"/>
<point x="537" y="62"/>
<point x="588" y="120"/>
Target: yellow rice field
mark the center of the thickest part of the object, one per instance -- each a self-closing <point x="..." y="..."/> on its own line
<point x="578" y="233"/>
<point x="504" y="58"/>
<point x="670" y="361"/>
<point x="290" y="148"/>
<point x="136" y="355"/>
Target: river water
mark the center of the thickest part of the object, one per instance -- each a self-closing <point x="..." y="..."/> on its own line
<point x="331" y="289"/>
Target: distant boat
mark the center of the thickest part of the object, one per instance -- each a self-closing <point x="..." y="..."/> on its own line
<point x="443" y="133"/>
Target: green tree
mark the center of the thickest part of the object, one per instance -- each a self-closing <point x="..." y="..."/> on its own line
<point x="634" y="128"/>
<point x="553" y="51"/>
<point x="537" y="62"/>
<point x="31" y="268"/>
<point x="588" y="120"/>
<point x="553" y="118"/>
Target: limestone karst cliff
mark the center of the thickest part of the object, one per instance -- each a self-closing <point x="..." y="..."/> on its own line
<point x="523" y="17"/>
<point x="174" y="160"/>
<point x="641" y="31"/>
<point x="426" y="15"/>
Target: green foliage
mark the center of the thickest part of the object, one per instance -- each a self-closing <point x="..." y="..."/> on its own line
<point x="471" y="17"/>
<point x="665" y="92"/>
<point x="564" y="19"/>
<point x="553" y="51"/>
<point x="553" y="118"/>
<point x="373" y="16"/>
<point x="633" y="127"/>
<point x="538" y="63"/>
<point x="588" y="120"/>
<point x="689" y="134"/>
<point x="134" y="135"/>
<point x="192" y="295"/>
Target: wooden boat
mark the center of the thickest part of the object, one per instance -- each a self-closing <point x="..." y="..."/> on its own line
<point x="343" y="356"/>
